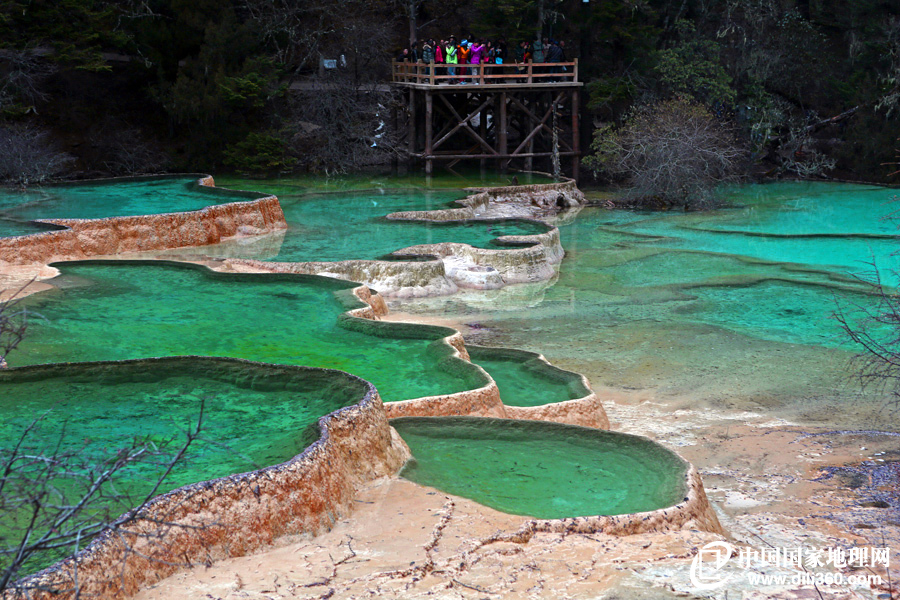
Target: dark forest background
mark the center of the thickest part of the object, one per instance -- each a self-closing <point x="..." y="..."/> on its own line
<point x="105" y="87"/>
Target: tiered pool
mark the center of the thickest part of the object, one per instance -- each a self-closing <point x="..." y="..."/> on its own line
<point x="540" y="469"/>
<point x="350" y="223"/>
<point x="524" y="379"/>
<point x="732" y="307"/>
<point x="112" y="198"/>
<point x="98" y="408"/>
<point x="126" y="310"/>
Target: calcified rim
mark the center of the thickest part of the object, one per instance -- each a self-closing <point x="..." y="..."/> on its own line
<point x="172" y="500"/>
<point x="202" y="182"/>
<point x="693" y="509"/>
<point x="521" y="249"/>
<point x="358" y="310"/>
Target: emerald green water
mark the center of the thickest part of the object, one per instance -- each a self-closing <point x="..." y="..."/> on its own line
<point x="525" y="380"/>
<point x="253" y="416"/>
<point x="123" y="310"/>
<point x="731" y="308"/>
<point x="351" y="224"/>
<point x="541" y="469"/>
<point x="111" y="198"/>
<point x="446" y="180"/>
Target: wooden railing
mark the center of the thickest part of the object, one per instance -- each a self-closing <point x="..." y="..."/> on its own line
<point x="485" y="73"/>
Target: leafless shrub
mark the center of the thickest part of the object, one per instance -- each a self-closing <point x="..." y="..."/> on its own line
<point x="673" y="152"/>
<point x="13" y="325"/>
<point x="798" y="156"/>
<point x="53" y="501"/>
<point x="875" y="328"/>
<point x="295" y="29"/>
<point x="28" y="156"/>
<point x="21" y="75"/>
<point x="56" y="496"/>
<point x="339" y="126"/>
<point x="130" y="154"/>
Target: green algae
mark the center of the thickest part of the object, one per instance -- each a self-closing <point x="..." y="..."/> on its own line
<point x="541" y="469"/>
<point x="121" y="310"/>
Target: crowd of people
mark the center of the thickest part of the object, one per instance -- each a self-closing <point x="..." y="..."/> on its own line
<point x="455" y="59"/>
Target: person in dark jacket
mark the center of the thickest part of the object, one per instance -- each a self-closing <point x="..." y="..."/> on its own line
<point x="554" y="55"/>
<point x="428" y="56"/>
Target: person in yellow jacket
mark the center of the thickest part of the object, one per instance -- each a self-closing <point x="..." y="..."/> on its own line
<point x="451" y="57"/>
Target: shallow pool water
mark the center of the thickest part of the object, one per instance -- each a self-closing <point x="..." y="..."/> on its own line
<point x="253" y="416"/>
<point x="111" y="198"/>
<point x="351" y="224"/>
<point x="525" y="380"/>
<point x="733" y="307"/>
<point x="541" y="469"/>
<point x="124" y="310"/>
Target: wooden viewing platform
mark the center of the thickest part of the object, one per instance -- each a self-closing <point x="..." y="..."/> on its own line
<point x="500" y="113"/>
<point x="515" y="75"/>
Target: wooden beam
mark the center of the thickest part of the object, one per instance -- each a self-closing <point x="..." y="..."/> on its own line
<point x="464" y="124"/>
<point x="529" y="140"/>
<point x="449" y="155"/>
<point x="395" y="127"/>
<point x="543" y="124"/>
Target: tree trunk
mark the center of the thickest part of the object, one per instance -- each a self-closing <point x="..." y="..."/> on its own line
<point x="411" y="13"/>
<point x="540" y="21"/>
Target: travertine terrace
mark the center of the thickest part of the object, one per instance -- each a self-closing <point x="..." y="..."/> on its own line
<point x="356" y="443"/>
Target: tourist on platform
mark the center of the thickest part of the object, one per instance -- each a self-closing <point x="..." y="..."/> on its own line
<point x="475" y="53"/>
<point x="538" y="49"/>
<point x="463" y="55"/>
<point x="500" y="52"/>
<point x="450" y="55"/>
<point x="521" y="57"/>
<point x="554" y="55"/>
<point x="439" y="58"/>
<point x="462" y="63"/>
<point x="428" y="56"/>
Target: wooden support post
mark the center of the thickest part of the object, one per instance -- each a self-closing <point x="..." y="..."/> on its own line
<point x="429" y="114"/>
<point x="502" y="133"/>
<point x="576" y="137"/>
<point x="529" y="162"/>
<point x="395" y="130"/>
<point x="482" y="126"/>
<point x="411" y="139"/>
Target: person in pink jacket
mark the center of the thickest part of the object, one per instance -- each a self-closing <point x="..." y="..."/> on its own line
<point x="475" y="54"/>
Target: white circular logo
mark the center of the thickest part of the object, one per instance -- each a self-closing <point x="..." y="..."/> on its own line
<point x="706" y="566"/>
